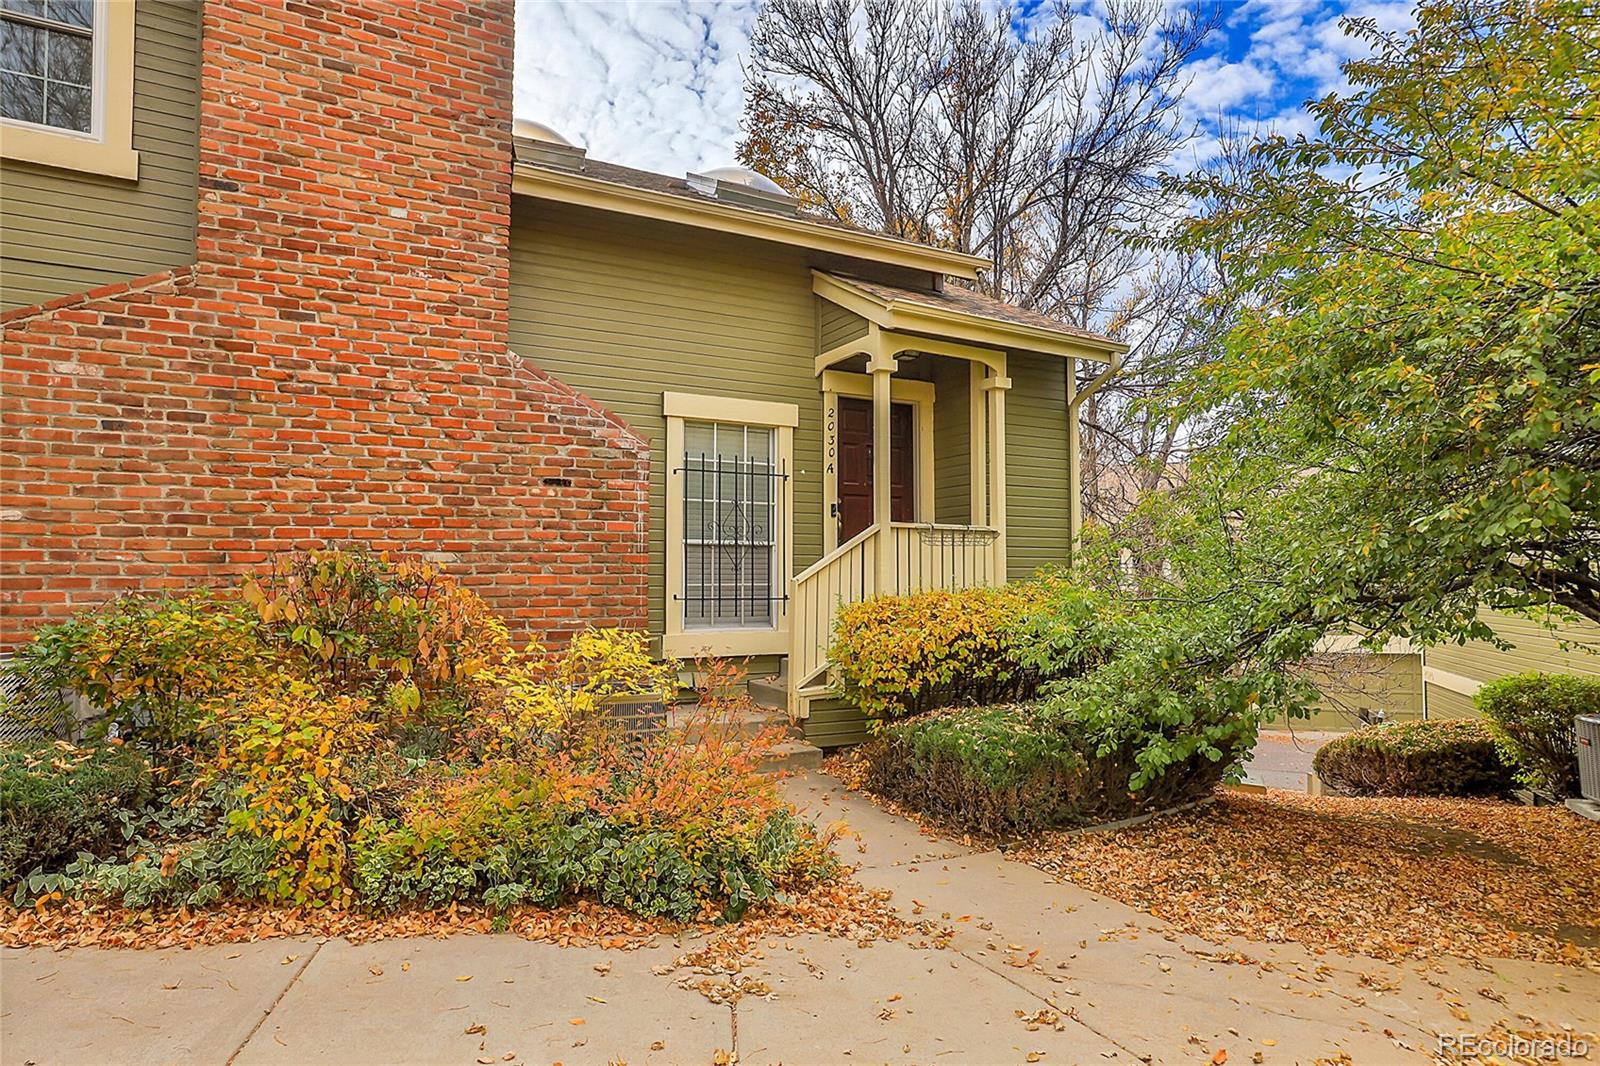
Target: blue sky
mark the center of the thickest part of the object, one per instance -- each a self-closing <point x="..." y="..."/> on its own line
<point x="658" y="83"/>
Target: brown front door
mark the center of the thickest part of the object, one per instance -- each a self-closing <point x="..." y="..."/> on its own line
<point x="855" y="465"/>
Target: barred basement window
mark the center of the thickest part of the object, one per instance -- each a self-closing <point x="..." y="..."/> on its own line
<point x="47" y="63"/>
<point x="732" y="507"/>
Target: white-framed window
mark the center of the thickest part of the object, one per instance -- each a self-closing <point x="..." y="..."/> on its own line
<point x="731" y="496"/>
<point x="47" y="63"/>
<point x="66" y="84"/>
<point x="729" y="532"/>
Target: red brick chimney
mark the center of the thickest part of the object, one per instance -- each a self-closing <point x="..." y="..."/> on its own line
<point x="335" y="366"/>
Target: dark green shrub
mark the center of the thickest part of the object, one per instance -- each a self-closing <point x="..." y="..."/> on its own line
<point x="56" y="800"/>
<point x="1010" y="770"/>
<point x="1179" y="720"/>
<point x="554" y="859"/>
<point x="1531" y="718"/>
<point x="191" y="874"/>
<point x="1444" y="757"/>
<point x="990" y="769"/>
<point x="1136" y="690"/>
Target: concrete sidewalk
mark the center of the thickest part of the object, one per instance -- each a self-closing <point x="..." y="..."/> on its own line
<point x="1038" y="971"/>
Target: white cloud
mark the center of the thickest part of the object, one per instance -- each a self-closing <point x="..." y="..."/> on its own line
<point x="657" y="85"/>
<point x="1219" y="86"/>
<point x="1309" y="45"/>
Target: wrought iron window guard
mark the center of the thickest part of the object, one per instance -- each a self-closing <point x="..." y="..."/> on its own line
<point x="734" y="494"/>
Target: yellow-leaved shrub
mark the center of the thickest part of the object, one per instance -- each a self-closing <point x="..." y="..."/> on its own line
<point x="289" y="750"/>
<point x="900" y="655"/>
<point x="526" y="698"/>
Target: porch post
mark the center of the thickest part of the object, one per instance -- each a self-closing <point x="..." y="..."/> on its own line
<point x="882" y="367"/>
<point x="996" y="387"/>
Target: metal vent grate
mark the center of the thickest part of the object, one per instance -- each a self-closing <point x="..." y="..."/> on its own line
<point x="28" y="711"/>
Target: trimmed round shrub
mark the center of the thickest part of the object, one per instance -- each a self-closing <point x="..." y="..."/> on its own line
<point x="1531" y="718"/>
<point x="1006" y="771"/>
<point x="988" y="769"/>
<point x="1445" y="757"/>
<point x="57" y="800"/>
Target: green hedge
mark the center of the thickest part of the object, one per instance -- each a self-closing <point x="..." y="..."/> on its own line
<point x="1445" y="757"/>
<point x="1009" y="770"/>
<point x="57" y="800"/>
<point x="1531" y="718"/>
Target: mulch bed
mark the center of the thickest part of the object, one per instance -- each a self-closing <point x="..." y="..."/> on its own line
<point x="1390" y="878"/>
<point x="839" y="908"/>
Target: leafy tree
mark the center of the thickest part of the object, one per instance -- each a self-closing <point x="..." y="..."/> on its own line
<point x="1036" y="140"/>
<point x="1414" y="383"/>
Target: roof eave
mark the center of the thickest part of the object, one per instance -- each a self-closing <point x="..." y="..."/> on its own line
<point x="906" y="316"/>
<point x="584" y="191"/>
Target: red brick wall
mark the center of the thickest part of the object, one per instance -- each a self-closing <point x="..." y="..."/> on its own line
<point x="335" y="365"/>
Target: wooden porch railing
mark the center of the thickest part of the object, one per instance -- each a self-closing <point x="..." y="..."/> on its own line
<point x="920" y="556"/>
<point x="928" y="556"/>
<point x="848" y="574"/>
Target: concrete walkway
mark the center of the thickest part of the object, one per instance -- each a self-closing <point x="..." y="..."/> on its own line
<point x="1038" y="971"/>
<point x="1282" y="758"/>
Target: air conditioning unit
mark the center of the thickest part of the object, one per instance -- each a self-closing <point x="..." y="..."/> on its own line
<point x="1589" y="756"/>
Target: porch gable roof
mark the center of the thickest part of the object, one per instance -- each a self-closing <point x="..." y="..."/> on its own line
<point x="962" y="315"/>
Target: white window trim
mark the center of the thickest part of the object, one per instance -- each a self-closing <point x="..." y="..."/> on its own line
<point x="919" y="394"/>
<point x="107" y="149"/>
<point x="781" y="418"/>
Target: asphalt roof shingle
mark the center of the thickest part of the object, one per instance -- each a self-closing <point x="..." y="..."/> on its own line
<point x="964" y="301"/>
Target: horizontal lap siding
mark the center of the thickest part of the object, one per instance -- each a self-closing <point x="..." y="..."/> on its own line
<point x="1533" y="648"/>
<point x="1443" y="703"/>
<point x="952" y="448"/>
<point x="835" y="723"/>
<point x="626" y="309"/>
<point x="67" y="232"/>
<point x="839" y="325"/>
<point x="1038" y="466"/>
<point x="1360" y="681"/>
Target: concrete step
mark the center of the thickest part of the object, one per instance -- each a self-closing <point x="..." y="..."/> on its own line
<point x="747" y="724"/>
<point x="792" y="755"/>
<point x="771" y="692"/>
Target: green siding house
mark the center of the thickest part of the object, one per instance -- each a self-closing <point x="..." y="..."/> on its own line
<point x="831" y="414"/>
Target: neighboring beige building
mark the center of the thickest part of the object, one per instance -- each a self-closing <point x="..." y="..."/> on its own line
<point x="1453" y="673"/>
<point x="1402" y="683"/>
